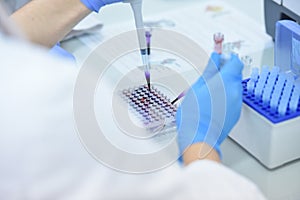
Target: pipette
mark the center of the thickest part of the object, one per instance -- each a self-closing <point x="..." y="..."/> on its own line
<point x="136" y="6"/>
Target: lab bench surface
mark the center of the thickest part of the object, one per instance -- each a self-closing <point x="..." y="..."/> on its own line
<point x="280" y="183"/>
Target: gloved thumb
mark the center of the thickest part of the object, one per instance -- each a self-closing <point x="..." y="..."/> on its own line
<point x="213" y="66"/>
<point x="233" y="66"/>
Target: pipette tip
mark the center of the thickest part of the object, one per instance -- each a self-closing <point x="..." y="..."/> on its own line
<point x="179" y="97"/>
<point x="147" y="75"/>
<point x="149" y="86"/>
<point x="174" y="101"/>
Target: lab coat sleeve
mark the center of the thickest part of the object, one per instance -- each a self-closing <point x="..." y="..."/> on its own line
<point x="215" y="181"/>
<point x="40" y="152"/>
<point x="200" y="180"/>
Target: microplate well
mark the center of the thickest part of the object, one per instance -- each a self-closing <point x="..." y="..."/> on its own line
<point x="152" y="107"/>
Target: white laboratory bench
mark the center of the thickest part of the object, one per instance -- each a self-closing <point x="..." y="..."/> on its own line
<point x="280" y="183"/>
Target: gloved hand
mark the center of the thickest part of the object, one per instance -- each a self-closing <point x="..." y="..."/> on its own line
<point x="95" y="5"/>
<point x="212" y="105"/>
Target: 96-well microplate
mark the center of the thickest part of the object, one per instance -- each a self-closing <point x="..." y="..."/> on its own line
<point x="152" y="107"/>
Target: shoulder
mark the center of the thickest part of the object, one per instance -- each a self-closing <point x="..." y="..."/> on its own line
<point x="25" y="64"/>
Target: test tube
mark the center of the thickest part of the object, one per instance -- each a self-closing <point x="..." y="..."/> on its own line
<point x="282" y="108"/>
<point x="277" y="91"/>
<point x="267" y="94"/>
<point x="293" y="105"/>
<point x="261" y="82"/>
<point x="218" y="40"/>
<point x="252" y="81"/>
<point x="250" y="86"/>
<point x="270" y="84"/>
<point x="255" y="73"/>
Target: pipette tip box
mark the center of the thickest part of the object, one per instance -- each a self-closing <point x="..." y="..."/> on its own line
<point x="269" y="129"/>
<point x="269" y="126"/>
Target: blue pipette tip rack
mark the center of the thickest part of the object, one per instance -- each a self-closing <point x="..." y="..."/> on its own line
<point x="265" y="105"/>
<point x="270" y="121"/>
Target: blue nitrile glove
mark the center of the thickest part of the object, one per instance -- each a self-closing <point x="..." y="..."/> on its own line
<point x="212" y="106"/>
<point x="95" y="5"/>
<point x="57" y="50"/>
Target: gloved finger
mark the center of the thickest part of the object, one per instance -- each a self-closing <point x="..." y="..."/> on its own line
<point x="95" y="5"/>
<point x="213" y="66"/>
<point x="57" y="50"/>
<point x="233" y="66"/>
<point x="106" y="2"/>
<point x="215" y="58"/>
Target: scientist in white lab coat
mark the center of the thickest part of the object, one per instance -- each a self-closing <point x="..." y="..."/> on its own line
<point x="41" y="155"/>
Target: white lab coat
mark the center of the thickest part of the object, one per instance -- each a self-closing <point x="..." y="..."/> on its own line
<point x="41" y="155"/>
